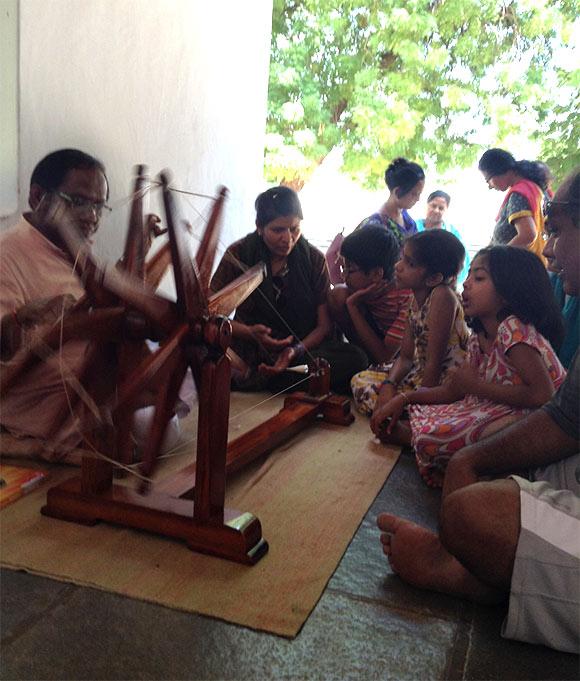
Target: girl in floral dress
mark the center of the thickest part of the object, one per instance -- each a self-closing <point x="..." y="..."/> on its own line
<point x="511" y="366"/>
<point x="435" y="337"/>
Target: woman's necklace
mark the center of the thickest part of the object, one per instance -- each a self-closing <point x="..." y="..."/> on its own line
<point x="279" y="267"/>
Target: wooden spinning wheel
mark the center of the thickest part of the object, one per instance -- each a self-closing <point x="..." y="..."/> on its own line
<point x="196" y="334"/>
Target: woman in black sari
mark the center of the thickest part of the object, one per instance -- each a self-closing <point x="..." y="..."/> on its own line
<point x="284" y="322"/>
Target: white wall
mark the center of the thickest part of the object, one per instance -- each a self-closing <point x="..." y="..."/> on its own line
<point x="170" y="83"/>
<point x="8" y="106"/>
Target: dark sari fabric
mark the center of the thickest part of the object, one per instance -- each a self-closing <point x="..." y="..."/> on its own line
<point x="287" y="303"/>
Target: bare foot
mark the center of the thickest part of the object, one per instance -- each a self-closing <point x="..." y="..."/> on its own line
<point x="432" y="476"/>
<point x="419" y="558"/>
<point x="400" y="434"/>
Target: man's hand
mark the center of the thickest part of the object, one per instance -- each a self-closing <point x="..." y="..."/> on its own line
<point x="44" y="310"/>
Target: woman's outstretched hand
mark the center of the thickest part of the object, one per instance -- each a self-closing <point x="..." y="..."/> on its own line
<point x="281" y="364"/>
<point x="262" y="334"/>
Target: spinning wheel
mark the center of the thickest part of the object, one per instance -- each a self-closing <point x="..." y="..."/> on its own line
<point x="194" y="333"/>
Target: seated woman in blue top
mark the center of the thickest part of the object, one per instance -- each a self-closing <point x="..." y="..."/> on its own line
<point x="437" y="204"/>
<point x="405" y="181"/>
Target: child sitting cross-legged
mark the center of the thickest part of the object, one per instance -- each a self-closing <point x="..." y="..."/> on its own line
<point x="435" y="338"/>
<point x="511" y="367"/>
<point x="369" y="308"/>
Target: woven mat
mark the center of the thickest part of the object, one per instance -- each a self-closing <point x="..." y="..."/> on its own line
<point x="310" y="496"/>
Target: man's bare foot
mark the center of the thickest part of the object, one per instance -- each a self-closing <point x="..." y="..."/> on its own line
<point x="419" y="558"/>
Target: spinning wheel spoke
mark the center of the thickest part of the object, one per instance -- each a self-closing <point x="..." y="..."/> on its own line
<point x="160" y="311"/>
<point x="157" y="265"/>
<point x="191" y="298"/>
<point x="207" y="248"/>
<point x="227" y="300"/>
<point x="150" y="369"/>
<point x="135" y="251"/>
<point x="95" y="325"/>
<point x="164" y="409"/>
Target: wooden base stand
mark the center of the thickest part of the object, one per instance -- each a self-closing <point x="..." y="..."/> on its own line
<point x="238" y="538"/>
<point x="300" y="410"/>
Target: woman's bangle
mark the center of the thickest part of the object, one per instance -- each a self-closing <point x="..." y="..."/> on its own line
<point x="388" y="381"/>
<point x="405" y="396"/>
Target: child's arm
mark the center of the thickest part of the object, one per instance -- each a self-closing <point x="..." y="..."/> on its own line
<point x="377" y="349"/>
<point x="401" y="367"/>
<point x="404" y="362"/>
<point x="394" y="407"/>
<point x="440" y="322"/>
<point x="536" y="386"/>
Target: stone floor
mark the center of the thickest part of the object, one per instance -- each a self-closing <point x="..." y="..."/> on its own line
<point x="367" y="625"/>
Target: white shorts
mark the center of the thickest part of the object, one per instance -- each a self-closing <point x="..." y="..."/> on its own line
<point x="544" y="604"/>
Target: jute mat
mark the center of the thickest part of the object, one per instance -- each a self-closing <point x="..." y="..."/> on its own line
<point x="310" y="496"/>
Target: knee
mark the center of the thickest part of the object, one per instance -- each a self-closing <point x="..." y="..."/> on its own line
<point x="472" y="514"/>
<point x="458" y="517"/>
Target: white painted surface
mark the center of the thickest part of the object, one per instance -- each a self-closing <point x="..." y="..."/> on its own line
<point x="8" y="106"/>
<point x="178" y="84"/>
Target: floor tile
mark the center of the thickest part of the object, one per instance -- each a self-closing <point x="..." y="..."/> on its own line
<point x="103" y="636"/>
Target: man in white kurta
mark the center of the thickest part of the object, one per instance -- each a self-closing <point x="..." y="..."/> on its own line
<point x="37" y="284"/>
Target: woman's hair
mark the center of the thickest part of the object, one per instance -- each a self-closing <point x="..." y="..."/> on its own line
<point x="276" y="202"/>
<point x="521" y="279"/>
<point x="50" y="172"/>
<point x="439" y="251"/>
<point x="403" y="175"/>
<point x="499" y="161"/>
<point x="439" y="193"/>
<point x="370" y="247"/>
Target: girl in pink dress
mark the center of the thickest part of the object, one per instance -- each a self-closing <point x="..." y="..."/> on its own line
<point x="511" y="366"/>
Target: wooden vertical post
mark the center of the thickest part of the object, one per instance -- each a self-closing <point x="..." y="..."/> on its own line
<point x="212" y="441"/>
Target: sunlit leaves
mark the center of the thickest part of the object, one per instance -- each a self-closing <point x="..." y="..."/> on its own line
<point x="419" y="78"/>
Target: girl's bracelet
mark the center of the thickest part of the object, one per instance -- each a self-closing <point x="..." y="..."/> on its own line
<point x="388" y="381"/>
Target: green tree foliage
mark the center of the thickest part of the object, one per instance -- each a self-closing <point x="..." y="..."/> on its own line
<point x="416" y="78"/>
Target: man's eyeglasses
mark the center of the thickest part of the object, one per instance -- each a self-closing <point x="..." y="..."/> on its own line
<point x="547" y="234"/>
<point x="349" y="269"/>
<point x="81" y="204"/>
